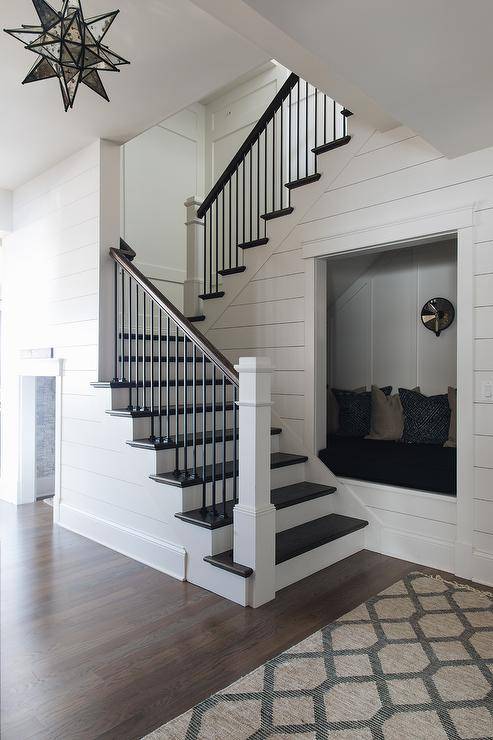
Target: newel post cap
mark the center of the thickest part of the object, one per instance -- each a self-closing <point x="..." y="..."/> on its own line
<point x="254" y="365"/>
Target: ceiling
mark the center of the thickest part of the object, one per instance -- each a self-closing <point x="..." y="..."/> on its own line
<point x="427" y="65"/>
<point x="178" y="54"/>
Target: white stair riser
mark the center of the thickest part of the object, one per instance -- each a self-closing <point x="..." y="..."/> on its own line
<point x="142" y="426"/>
<point x="121" y="396"/>
<point x="304" y="512"/>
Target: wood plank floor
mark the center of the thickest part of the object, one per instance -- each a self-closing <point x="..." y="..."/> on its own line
<point x="95" y="645"/>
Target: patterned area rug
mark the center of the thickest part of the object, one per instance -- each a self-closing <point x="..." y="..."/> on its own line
<point x="415" y="662"/>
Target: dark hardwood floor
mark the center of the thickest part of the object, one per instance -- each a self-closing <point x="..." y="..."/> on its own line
<point x="95" y="645"/>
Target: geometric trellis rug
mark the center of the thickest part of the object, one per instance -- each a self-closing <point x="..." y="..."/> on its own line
<point x="413" y="663"/>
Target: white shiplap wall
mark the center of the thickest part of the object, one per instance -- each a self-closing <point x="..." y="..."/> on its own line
<point x="393" y="178"/>
<point x="51" y="276"/>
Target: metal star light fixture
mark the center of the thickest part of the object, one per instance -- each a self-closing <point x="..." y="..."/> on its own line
<point x="69" y="47"/>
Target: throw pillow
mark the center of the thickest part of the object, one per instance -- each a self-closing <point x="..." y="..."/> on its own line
<point x="426" y="418"/>
<point x="355" y="412"/>
<point x="387" y="418"/>
<point x="452" y="402"/>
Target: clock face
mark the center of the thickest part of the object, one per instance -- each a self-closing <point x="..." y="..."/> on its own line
<point x="437" y="314"/>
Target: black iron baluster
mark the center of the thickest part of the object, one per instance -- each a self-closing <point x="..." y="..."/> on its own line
<point x="144" y="350"/>
<point x="168" y="406"/>
<point x="235" y="444"/>
<point x="290" y="131"/>
<point x="251" y="197"/>
<point x="335" y="123"/>
<point x="177" y="400"/>
<point x="214" y="439"/>
<point x="243" y="198"/>
<point x="306" y="129"/>
<point x="274" y="162"/>
<point x="116" y="373"/>
<point x="151" y="373"/>
<point x="316" y="127"/>
<point x="298" y="141"/>
<point x="210" y="247"/>
<point x="224" y="444"/>
<point x="204" y="434"/>
<point x="122" y="324"/>
<point x="216" y="266"/>
<point x="258" y="188"/>
<point x="281" y="183"/>
<point x="237" y="240"/>
<point x="205" y="251"/>
<point x="223" y="244"/>
<point x="194" y="411"/>
<point x="325" y="120"/>
<point x="129" y="344"/>
<point x="265" y="176"/>
<point x="185" y="404"/>
<point x="230" y="223"/>
<point x="160" y="375"/>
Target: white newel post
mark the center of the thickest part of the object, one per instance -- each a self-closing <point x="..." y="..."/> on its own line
<point x="254" y="515"/>
<point x="192" y="287"/>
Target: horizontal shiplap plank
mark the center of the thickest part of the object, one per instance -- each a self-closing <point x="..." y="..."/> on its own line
<point x="417" y="525"/>
<point x="483" y="290"/>
<point x="278" y="335"/>
<point x="290" y="358"/>
<point x="74" y="262"/>
<point x="484" y="543"/>
<point x="257" y="314"/>
<point x="125" y="465"/>
<point x="271" y="289"/>
<point x="78" y="382"/>
<point x="80" y="235"/>
<point x="76" y="406"/>
<point x="483" y="262"/>
<point x="483" y="354"/>
<point x="483" y="516"/>
<point x="289" y="406"/>
<point x="484" y="322"/>
<point x="483" y="483"/>
<point x="78" y="358"/>
<point x="483" y="451"/>
<point x="286" y="263"/>
<point x="483" y="225"/>
<point x="70" y="310"/>
<point x="427" y="506"/>
<point x="288" y="382"/>
<point x="73" y="286"/>
<point x="78" y="333"/>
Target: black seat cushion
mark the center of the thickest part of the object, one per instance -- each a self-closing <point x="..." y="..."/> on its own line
<point x="422" y="467"/>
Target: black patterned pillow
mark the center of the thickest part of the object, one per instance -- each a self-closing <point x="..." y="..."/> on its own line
<point x="355" y="411"/>
<point x="426" y="418"/>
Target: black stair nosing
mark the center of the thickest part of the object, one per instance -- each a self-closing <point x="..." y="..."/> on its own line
<point x="211" y="296"/>
<point x="277" y="460"/>
<point x="148" y="444"/>
<point x="211" y="517"/>
<point x="331" y="145"/>
<point x="232" y="270"/>
<point x="143" y="413"/>
<point x="224" y="561"/>
<point x="111" y="384"/>
<point x="195" y="319"/>
<point x="125" y="384"/>
<point x="277" y="214"/>
<point x="254" y="243"/>
<point x="298" y="493"/>
<point x="306" y="537"/>
<point x="216" y="517"/>
<point x="303" y="181"/>
<point x="156" y="358"/>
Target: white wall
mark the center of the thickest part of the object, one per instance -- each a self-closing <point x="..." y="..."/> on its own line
<point x="5" y="212"/>
<point x="54" y="288"/>
<point x="161" y="169"/>
<point x="376" y="335"/>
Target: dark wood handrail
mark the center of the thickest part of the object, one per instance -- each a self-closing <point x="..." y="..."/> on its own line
<point x="248" y="143"/>
<point x="123" y="257"/>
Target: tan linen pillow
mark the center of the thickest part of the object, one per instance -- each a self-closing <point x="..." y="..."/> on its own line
<point x="333" y="410"/>
<point x="387" y="419"/>
<point x="452" y="402"/>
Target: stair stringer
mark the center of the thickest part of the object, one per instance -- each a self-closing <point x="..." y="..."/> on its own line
<point x="331" y="165"/>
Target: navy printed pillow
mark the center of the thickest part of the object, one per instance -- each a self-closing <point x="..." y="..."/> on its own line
<point x="426" y="418"/>
<point x="355" y="411"/>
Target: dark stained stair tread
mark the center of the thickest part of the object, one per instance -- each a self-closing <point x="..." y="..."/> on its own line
<point x="148" y="444"/>
<point x="297" y="493"/>
<point x="210" y="296"/>
<point x="143" y="413"/>
<point x="277" y="460"/>
<point x="277" y="214"/>
<point x="232" y="270"/>
<point x="214" y="518"/>
<point x="254" y="243"/>
<point x="331" y="145"/>
<point x="303" y="181"/>
<point x="122" y="384"/>
<point x="225" y="561"/>
<point x="306" y="537"/>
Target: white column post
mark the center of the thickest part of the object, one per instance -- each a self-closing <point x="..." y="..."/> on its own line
<point x="254" y="515"/>
<point x="195" y="245"/>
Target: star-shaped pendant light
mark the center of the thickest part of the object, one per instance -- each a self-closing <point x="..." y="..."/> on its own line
<point x="69" y="47"/>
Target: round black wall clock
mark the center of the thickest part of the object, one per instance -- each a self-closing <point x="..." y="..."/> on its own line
<point x="437" y="314"/>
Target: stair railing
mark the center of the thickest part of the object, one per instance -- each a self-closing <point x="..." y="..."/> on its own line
<point x="278" y="155"/>
<point x="170" y="369"/>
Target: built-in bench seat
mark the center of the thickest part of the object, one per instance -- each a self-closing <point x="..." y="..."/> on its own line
<point x="422" y="467"/>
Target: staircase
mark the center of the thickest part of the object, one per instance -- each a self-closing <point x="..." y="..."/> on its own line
<point x="249" y="521"/>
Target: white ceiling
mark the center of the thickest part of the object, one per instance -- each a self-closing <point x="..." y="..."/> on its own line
<point x="428" y="65"/>
<point x="178" y="54"/>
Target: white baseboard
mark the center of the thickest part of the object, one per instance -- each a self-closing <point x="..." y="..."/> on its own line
<point x="157" y="553"/>
<point x="433" y="553"/>
<point x="482" y="568"/>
